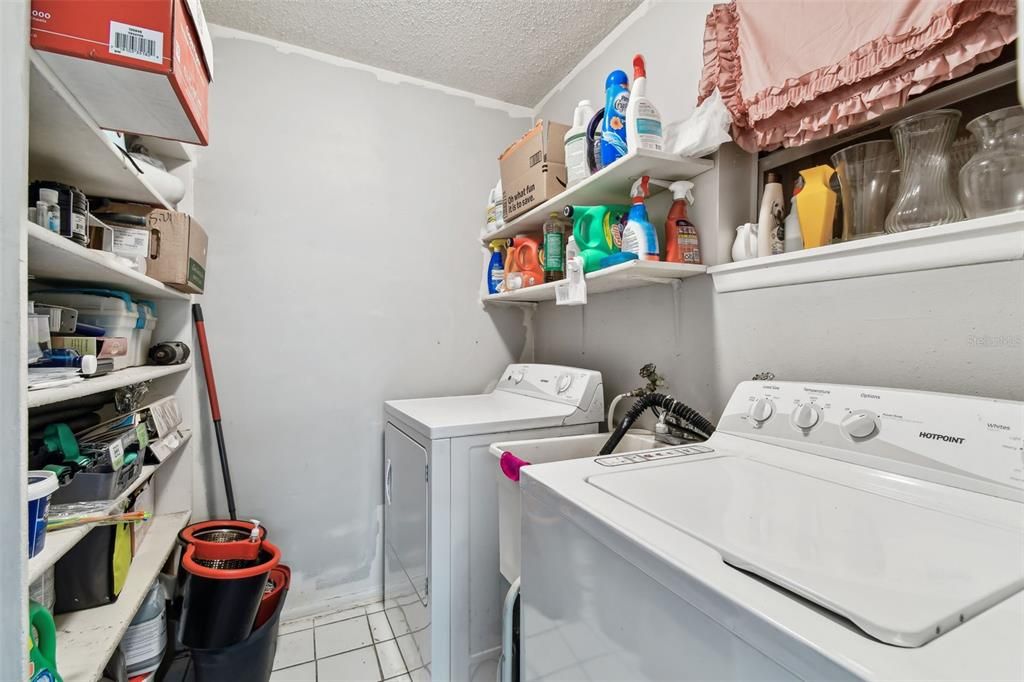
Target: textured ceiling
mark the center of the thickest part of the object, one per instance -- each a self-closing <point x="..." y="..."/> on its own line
<point x="512" y="50"/>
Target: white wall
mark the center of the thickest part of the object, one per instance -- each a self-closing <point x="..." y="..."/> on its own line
<point x="343" y="206"/>
<point x="919" y="330"/>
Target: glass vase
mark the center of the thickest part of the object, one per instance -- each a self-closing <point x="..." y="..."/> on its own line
<point x="992" y="180"/>
<point x="865" y="176"/>
<point x="926" y="194"/>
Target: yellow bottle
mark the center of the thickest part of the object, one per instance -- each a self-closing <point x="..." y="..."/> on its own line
<point x="817" y="206"/>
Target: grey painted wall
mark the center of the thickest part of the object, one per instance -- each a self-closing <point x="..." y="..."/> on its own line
<point x="344" y="267"/>
<point x="957" y="330"/>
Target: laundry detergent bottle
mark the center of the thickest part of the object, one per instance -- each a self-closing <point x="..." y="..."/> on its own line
<point x="42" y="645"/>
<point x="576" y="145"/>
<point x="639" y="237"/>
<point x="643" y="122"/>
<point x="613" y="129"/>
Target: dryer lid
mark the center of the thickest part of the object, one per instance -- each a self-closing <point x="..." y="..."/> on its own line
<point x="468" y="415"/>
<point x="900" y="564"/>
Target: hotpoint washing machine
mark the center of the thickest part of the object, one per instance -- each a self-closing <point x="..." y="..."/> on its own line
<point x="442" y="587"/>
<point x="822" y="532"/>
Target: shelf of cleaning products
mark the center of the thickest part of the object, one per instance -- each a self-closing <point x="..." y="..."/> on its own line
<point x="55" y="258"/>
<point x="107" y="382"/>
<point x="609" y="185"/>
<point x="60" y="542"/>
<point x="86" y="639"/>
<point x="969" y="242"/>
<point x="638" y="273"/>
<point x="66" y="145"/>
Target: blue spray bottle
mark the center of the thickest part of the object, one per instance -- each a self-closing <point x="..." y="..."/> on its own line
<point x="496" y="266"/>
<point x="639" y="236"/>
<point x="613" y="129"/>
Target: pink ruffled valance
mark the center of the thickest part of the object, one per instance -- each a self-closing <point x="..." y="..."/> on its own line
<point x="797" y="88"/>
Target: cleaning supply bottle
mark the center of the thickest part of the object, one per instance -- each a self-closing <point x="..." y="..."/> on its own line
<point x="554" y="231"/>
<point x="794" y="239"/>
<point x="613" y="128"/>
<point x="771" y="217"/>
<point x="682" y="245"/>
<point x="639" y="237"/>
<point x="495" y="210"/>
<point x="522" y="263"/>
<point x="643" y="122"/>
<point x="592" y="231"/>
<point x="496" y="266"/>
<point x="42" y="645"/>
<point x="577" y="167"/>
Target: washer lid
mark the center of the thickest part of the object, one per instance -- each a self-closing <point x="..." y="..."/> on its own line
<point x="890" y="560"/>
<point x="467" y="415"/>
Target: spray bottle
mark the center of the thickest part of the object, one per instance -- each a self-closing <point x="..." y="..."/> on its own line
<point x="576" y="144"/>
<point x="639" y="237"/>
<point x="613" y="128"/>
<point x="643" y="122"/>
<point x="496" y="266"/>
<point x="682" y="245"/>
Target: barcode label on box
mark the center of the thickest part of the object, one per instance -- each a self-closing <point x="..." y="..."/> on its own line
<point x="137" y="43"/>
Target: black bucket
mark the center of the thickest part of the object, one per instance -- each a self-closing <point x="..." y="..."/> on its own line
<point x="219" y="605"/>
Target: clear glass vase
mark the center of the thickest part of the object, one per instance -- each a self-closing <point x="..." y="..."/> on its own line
<point x="927" y="195"/>
<point x="992" y="180"/>
<point x="866" y="173"/>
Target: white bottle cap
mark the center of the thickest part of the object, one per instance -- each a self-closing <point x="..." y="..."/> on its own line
<point x="88" y="364"/>
<point x="50" y="196"/>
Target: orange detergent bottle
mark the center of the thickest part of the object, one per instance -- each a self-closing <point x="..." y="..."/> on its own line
<point x="523" y="267"/>
<point x="682" y="242"/>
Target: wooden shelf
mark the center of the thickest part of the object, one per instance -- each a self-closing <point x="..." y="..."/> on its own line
<point x="969" y="242"/>
<point x="55" y="258"/>
<point x="66" y="145"/>
<point x="60" y="542"/>
<point x="86" y="639"/>
<point x="638" y="273"/>
<point x="107" y="382"/>
<point x="609" y="185"/>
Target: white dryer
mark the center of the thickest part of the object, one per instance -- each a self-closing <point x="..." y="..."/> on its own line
<point x="442" y="586"/>
<point x="823" y="532"/>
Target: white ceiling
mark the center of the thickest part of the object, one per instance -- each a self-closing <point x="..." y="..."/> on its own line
<point x="511" y="50"/>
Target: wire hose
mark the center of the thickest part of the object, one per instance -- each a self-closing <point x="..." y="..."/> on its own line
<point x="665" y="402"/>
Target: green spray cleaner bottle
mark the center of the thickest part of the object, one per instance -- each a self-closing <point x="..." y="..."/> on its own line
<point x="42" y="645"/>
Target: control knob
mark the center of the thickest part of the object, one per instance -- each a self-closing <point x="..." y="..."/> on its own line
<point x="564" y="382"/>
<point x="761" y="411"/>
<point x="805" y="416"/>
<point x="859" y="424"/>
<point x="518" y="376"/>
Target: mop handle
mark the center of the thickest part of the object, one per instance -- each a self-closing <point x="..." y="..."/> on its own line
<point x="211" y="391"/>
<point x="204" y="350"/>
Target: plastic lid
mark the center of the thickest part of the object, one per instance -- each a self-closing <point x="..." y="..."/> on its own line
<point x="616" y="77"/>
<point x="50" y="196"/>
<point x="41" y="484"/>
<point x="639" y="68"/>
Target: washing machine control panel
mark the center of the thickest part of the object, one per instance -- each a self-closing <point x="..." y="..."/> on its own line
<point x="569" y="385"/>
<point x="937" y="436"/>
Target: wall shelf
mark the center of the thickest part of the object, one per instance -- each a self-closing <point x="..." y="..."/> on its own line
<point x="629" y="275"/>
<point x="969" y="242"/>
<point x="55" y="258"/>
<point x="107" y="382"/>
<point x="60" y="542"/>
<point x="86" y="639"/>
<point x="66" y="145"/>
<point x="609" y="185"/>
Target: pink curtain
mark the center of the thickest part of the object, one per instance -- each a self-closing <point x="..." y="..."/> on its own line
<point x="791" y="71"/>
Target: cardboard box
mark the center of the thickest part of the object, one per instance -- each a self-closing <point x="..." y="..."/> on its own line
<point x="177" y="244"/>
<point x="100" y="346"/>
<point x="137" y="66"/>
<point x="533" y="168"/>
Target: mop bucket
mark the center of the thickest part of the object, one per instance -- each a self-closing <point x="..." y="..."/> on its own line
<point x="222" y="591"/>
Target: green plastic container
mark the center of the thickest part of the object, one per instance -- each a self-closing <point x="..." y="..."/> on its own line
<point x="42" y="645"/>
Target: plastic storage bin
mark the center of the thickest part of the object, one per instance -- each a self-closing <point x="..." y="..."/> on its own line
<point x="116" y="311"/>
<point x="88" y="486"/>
<point x="41" y="485"/>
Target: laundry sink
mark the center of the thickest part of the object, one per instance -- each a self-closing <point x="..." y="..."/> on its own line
<point x="539" y="452"/>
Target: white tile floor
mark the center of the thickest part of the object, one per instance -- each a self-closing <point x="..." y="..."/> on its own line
<point x="353" y="645"/>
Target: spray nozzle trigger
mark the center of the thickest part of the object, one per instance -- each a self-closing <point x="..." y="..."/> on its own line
<point x="641" y="188"/>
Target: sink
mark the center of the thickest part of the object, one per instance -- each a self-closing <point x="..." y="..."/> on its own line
<point x="539" y="452"/>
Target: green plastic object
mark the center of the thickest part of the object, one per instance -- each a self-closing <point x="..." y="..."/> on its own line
<point x="42" y="645"/>
<point x="593" y="232"/>
<point x="58" y="439"/>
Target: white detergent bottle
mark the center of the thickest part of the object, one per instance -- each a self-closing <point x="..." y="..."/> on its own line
<point x="576" y="164"/>
<point x="643" y="122"/>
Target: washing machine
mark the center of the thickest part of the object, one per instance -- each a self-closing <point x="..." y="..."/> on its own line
<point x="442" y="587"/>
<point x="823" y="532"/>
